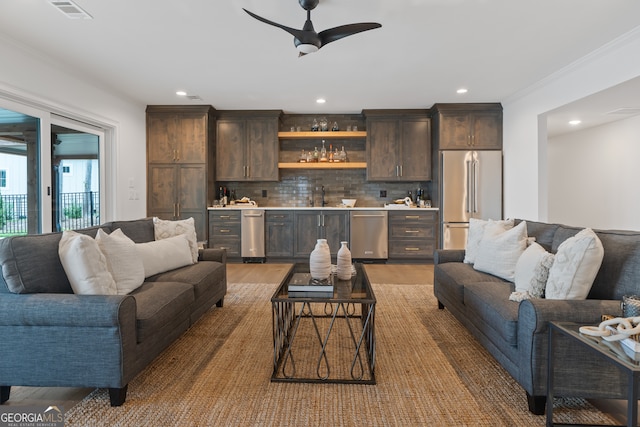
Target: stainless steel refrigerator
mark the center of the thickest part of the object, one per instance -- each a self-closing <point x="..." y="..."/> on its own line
<point x="470" y="187"/>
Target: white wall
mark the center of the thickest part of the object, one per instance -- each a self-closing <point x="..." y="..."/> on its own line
<point x="26" y="74"/>
<point x="526" y="184"/>
<point x="595" y="175"/>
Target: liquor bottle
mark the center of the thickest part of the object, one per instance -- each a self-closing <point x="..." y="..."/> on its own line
<point x="331" y="153"/>
<point x="323" y="153"/>
<point x="316" y="154"/>
<point x="343" y="155"/>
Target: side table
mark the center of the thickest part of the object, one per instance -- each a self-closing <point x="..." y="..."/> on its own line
<point x="602" y="349"/>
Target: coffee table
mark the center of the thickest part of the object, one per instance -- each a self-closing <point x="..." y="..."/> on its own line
<point x="328" y="338"/>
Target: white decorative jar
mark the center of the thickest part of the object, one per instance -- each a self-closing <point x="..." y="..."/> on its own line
<point x="320" y="261"/>
<point x="343" y="270"/>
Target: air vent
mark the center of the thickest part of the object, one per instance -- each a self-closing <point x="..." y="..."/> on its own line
<point x="70" y="9"/>
<point x="630" y="111"/>
<point x="194" y="97"/>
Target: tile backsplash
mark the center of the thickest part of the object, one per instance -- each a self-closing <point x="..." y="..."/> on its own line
<point x="299" y="187"/>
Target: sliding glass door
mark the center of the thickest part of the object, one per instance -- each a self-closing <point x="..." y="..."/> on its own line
<point x="51" y="172"/>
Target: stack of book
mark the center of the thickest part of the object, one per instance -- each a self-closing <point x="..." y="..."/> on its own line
<point x="302" y="286"/>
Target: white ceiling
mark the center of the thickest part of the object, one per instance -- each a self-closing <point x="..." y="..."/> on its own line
<point x="426" y="49"/>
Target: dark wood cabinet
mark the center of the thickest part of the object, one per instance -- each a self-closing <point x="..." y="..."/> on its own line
<point x="311" y="225"/>
<point x="398" y="145"/>
<point x="468" y="126"/>
<point x="224" y="231"/>
<point x="412" y="235"/>
<point x="180" y="170"/>
<point x="279" y="234"/>
<point x="247" y="146"/>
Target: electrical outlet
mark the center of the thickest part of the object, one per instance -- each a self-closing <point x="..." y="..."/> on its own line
<point x="383" y="193"/>
<point x="264" y="193"/>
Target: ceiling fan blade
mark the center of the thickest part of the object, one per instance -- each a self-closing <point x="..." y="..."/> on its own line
<point x="336" y="33"/>
<point x="294" y="32"/>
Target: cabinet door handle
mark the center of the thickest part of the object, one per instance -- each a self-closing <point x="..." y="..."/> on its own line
<point x="397" y="171"/>
<point x="318" y="220"/>
<point x="412" y="231"/>
<point x="412" y="217"/>
<point x="174" y="210"/>
<point x="177" y="155"/>
<point x="225" y="216"/>
<point x="400" y="170"/>
<point x="225" y="231"/>
<point x="411" y="249"/>
<point x="178" y="206"/>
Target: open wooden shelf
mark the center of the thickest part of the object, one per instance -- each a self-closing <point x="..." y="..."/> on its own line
<point x="323" y="165"/>
<point x="322" y="135"/>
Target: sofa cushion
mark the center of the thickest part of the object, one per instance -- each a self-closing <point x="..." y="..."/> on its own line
<point x="489" y="301"/>
<point x="201" y="275"/>
<point x="138" y="230"/>
<point x="499" y="250"/>
<point x="85" y="265"/>
<point x="161" y="303"/>
<point x="25" y="258"/>
<point x="620" y="269"/>
<point x="123" y="260"/>
<point x="163" y="255"/>
<point x="165" y="229"/>
<point x="453" y="276"/>
<point x="542" y="232"/>
<point x="575" y="266"/>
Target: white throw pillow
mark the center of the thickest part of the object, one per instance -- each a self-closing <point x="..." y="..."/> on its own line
<point x="532" y="270"/>
<point x="476" y="232"/>
<point x="85" y="265"/>
<point x="500" y="250"/>
<point x="123" y="260"/>
<point x="575" y="267"/>
<point x="164" y="229"/>
<point x="163" y="255"/>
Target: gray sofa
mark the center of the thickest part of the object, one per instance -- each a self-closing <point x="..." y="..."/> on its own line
<point x="516" y="334"/>
<point x="51" y="337"/>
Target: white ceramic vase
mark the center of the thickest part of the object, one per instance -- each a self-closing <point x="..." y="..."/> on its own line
<point x="320" y="261"/>
<point x="343" y="270"/>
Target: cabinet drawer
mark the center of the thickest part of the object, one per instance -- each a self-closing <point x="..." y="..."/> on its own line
<point x="416" y="215"/>
<point x="231" y="245"/>
<point x="230" y="215"/>
<point x="285" y="217"/>
<point x="411" y="248"/>
<point x="408" y="231"/>
<point x="224" y="229"/>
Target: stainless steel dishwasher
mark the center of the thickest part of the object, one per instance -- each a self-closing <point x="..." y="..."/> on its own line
<point x="369" y="234"/>
<point x="252" y="247"/>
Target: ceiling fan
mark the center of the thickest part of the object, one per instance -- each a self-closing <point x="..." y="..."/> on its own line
<point x="307" y="40"/>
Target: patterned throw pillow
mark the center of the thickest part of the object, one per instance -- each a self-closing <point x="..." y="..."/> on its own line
<point x="165" y="229"/>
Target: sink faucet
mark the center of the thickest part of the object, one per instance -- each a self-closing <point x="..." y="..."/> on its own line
<point x="323" y="202"/>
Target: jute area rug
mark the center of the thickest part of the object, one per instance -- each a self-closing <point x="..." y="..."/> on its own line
<point x="429" y="371"/>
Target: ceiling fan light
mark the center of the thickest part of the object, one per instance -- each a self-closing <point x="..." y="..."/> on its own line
<point x="307" y="48"/>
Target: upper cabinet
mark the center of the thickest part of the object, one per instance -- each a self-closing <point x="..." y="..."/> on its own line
<point x="398" y="145"/>
<point x="180" y="140"/>
<point x="247" y="146"/>
<point x="468" y="126"/>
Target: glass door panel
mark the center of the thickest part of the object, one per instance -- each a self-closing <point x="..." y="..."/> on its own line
<point x="20" y="194"/>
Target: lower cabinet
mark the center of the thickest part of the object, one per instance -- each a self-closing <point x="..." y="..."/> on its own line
<point x="412" y="235"/>
<point x="279" y="234"/>
<point x="224" y="231"/>
<point x="311" y="225"/>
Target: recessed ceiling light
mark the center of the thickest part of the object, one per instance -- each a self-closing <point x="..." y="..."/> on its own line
<point x="181" y="93"/>
<point x="462" y="90"/>
<point x="575" y="122"/>
<point x="321" y="100"/>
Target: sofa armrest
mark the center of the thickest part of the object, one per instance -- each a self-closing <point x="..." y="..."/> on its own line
<point x="66" y="310"/>
<point x="535" y="314"/>
<point x="441" y="256"/>
<point x="210" y="254"/>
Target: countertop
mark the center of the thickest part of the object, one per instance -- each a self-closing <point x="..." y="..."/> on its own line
<point x="298" y="208"/>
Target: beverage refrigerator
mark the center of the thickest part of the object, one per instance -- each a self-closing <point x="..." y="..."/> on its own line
<point x="470" y="187"/>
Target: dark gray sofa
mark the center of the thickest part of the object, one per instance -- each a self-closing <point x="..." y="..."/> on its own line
<point x="51" y="337"/>
<point x="516" y="334"/>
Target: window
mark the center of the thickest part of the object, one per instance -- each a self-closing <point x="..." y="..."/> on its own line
<point x="3" y="178"/>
